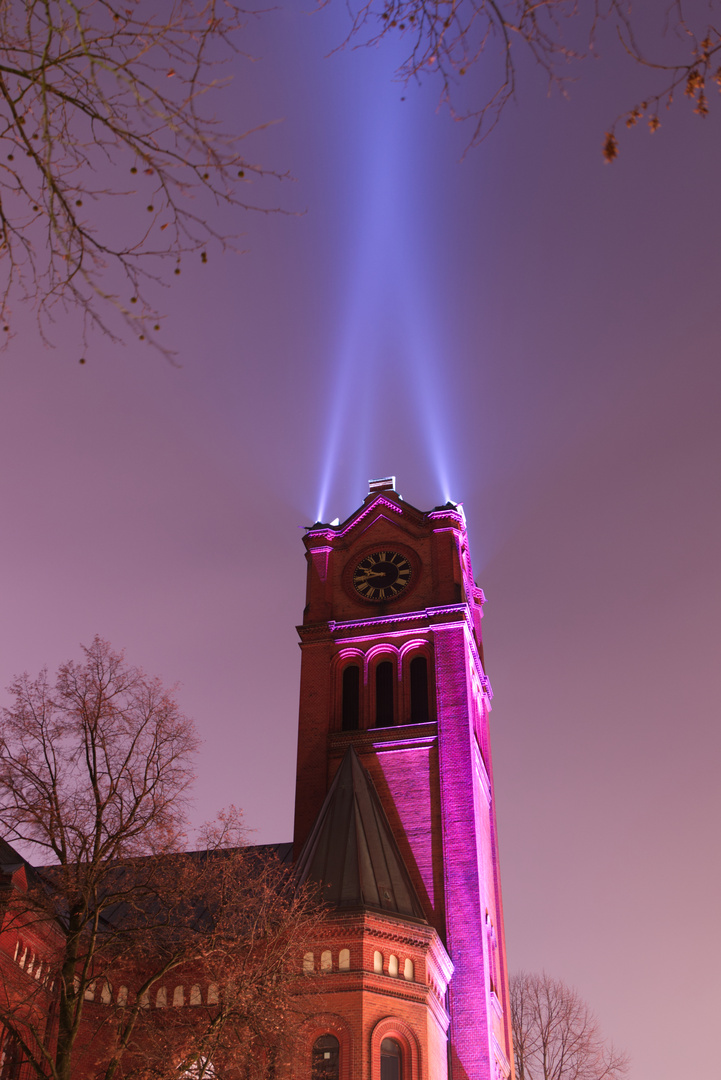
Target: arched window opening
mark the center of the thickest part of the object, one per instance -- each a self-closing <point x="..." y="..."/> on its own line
<point x="309" y="962"/>
<point x="326" y="1058"/>
<point x="392" y="965"/>
<point x="419" y="690"/>
<point x="178" y="997"/>
<point x="122" y="998"/>
<point x="213" y="996"/>
<point x="390" y="1060"/>
<point x="326" y="960"/>
<point x="408" y="970"/>
<point x="351" y="698"/>
<point x="161" y="998"/>
<point x="195" y="995"/>
<point x="378" y="962"/>
<point x="344" y="960"/>
<point x="384" y="694"/>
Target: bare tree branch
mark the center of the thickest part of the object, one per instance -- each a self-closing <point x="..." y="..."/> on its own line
<point x="106" y="135"/>
<point x="451" y="39"/>
<point x="556" y="1036"/>
<point x="156" y="961"/>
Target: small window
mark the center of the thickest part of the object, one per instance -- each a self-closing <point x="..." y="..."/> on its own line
<point x="378" y="962"/>
<point x="213" y="994"/>
<point x="195" y="998"/>
<point x="326" y="1058"/>
<point x="384" y="694"/>
<point x="178" y="996"/>
<point x="408" y="970"/>
<point x="309" y="962"/>
<point x="392" y="965"/>
<point x="106" y="993"/>
<point x="90" y="992"/>
<point x="122" y="996"/>
<point x="351" y="698"/>
<point x="390" y="1060"/>
<point x="344" y="960"/>
<point x="326" y="960"/>
<point x="419" y="690"/>
<point x="145" y="1000"/>
<point x="161" y="998"/>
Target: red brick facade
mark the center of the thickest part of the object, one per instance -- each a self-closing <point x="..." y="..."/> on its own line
<point x="435" y="986"/>
<point x="434" y="780"/>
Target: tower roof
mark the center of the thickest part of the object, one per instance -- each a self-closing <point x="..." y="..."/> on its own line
<point x="352" y="853"/>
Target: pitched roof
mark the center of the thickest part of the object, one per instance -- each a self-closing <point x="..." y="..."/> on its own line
<point x="351" y="851"/>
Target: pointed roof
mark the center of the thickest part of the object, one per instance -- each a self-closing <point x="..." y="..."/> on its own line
<point x="352" y="853"/>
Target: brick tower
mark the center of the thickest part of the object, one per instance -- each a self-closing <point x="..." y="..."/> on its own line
<point x="394" y="812"/>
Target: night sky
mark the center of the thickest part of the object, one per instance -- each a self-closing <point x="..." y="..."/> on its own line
<point x="524" y="329"/>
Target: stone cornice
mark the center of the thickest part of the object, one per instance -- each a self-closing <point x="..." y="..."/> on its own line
<point x="447" y="616"/>
<point x="402" y="737"/>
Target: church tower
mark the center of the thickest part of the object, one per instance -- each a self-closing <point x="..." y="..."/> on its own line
<point x="395" y="815"/>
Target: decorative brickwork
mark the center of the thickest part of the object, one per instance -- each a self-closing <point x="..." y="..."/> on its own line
<point x="433" y="778"/>
<point x="395" y="821"/>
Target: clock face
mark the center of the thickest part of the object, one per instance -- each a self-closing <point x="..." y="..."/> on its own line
<point x="382" y="575"/>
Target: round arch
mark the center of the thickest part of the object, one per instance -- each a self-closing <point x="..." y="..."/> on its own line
<point x="391" y="1027"/>
<point x="312" y="1029"/>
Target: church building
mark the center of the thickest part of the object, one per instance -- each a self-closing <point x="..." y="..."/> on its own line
<point x="394" y="813"/>
<point x="395" y="826"/>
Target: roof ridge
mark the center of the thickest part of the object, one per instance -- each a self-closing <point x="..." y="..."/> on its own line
<point x="351" y="851"/>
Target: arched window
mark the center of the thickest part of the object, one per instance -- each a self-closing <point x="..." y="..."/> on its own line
<point x="178" y="996"/>
<point x="344" y="960"/>
<point x="390" y="1060"/>
<point x="378" y="962"/>
<point x="419" y="690"/>
<point x="326" y="960"/>
<point x="161" y="998"/>
<point x="351" y="698"/>
<point x="326" y="1055"/>
<point x="409" y="970"/>
<point x="384" y="694"/>
<point x="392" y="965"/>
<point x="195" y="995"/>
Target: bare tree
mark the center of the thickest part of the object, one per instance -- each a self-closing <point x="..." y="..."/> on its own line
<point x="450" y="41"/>
<point x="94" y="773"/>
<point x="556" y="1036"/>
<point x="106" y="133"/>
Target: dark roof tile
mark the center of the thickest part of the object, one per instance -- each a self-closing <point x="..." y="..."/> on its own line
<point x="351" y="851"/>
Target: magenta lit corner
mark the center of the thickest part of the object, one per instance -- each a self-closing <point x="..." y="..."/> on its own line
<point x="395" y="817"/>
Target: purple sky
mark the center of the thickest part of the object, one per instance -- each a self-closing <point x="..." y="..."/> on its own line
<point x="530" y="329"/>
